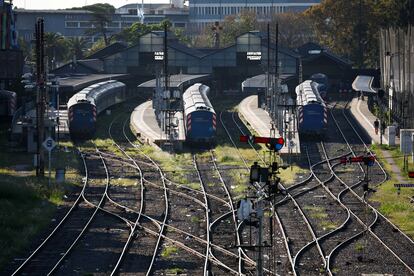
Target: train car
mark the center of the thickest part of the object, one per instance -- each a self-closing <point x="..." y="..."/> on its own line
<point x="323" y="82"/>
<point x="312" y="111"/>
<point x="199" y="116"/>
<point x="8" y="103"/>
<point x="84" y="106"/>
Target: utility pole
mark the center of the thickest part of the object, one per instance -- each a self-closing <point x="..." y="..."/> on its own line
<point x="361" y="53"/>
<point x="40" y="99"/>
<point x="268" y="94"/>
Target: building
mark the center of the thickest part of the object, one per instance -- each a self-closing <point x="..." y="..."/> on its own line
<point x="11" y="58"/>
<point x="229" y="66"/>
<point x="199" y="13"/>
<point x="397" y="74"/>
<point x="206" y="12"/>
<point x="74" y="23"/>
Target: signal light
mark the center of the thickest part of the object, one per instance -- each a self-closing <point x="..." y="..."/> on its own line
<point x="279" y="143"/>
<point x="411" y="174"/>
<point x="369" y="160"/>
<point x="275" y="144"/>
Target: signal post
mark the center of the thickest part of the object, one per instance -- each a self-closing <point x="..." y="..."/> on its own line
<point x="265" y="181"/>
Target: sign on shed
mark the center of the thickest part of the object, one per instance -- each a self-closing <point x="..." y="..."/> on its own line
<point x="406" y="143"/>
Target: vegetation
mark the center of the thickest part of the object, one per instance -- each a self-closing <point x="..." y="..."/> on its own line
<point x="341" y="25"/>
<point x="394" y="205"/>
<point x="27" y="203"/>
<point x="168" y="250"/>
<point x="77" y="47"/>
<point x="55" y="49"/>
<point x="359" y="247"/>
<point x="175" y="270"/>
<point x="101" y="19"/>
<point x="320" y="214"/>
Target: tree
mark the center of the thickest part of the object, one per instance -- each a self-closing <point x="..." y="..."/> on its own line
<point x="77" y="47"/>
<point x="101" y="17"/>
<point x="235" y="25"/>
<point x="350" y="28"/>
<point x="294" y="29"/>
<point x="56" y="49"/>
<point x="132" y="34"/>
<point x="98" y="45"/>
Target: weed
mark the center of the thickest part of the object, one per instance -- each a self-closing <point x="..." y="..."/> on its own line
<point x="195" y="219"/>
<point x="359" y="247"/>
<point x="168" y="250"/>
<point x="175" y="270"/>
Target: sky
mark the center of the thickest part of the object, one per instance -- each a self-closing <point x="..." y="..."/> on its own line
<point x="62" y="4"/>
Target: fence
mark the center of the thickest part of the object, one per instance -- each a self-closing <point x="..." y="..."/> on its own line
<point x="397" y="72"/>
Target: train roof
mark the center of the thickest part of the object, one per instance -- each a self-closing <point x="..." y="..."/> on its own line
<point x="195" y="98"/>
<point x="7" y="94"/>
<point x="92" y="92"/>
<point x="307" y="92"/>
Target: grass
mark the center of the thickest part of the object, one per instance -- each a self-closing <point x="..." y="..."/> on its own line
<point x="168" y="250"/>
<point x="319" y="213"/>
<point x="289" y="176"/>
<point x="175" y="271"/>
<point x="359" y="247"/>
<point x="395" y="206"/>
<point x="28" y="203"/>
<point x="195" y="219"/>
<point x="124" y="182"/>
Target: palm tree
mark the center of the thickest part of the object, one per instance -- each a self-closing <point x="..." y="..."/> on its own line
<point x="101" y="18"/>
<point x="56" y="49"/>
<point x="77" y="47"/>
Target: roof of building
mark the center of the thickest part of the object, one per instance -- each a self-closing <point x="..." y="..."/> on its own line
<point x="311" y="51"/>
<point x="176" y="81"/>
<point x="109" y="50"/>
<point x="73" y="83"/>
<point x="59" y="11"/>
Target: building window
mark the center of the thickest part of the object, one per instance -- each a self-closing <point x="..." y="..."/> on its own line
<point x="71" y="24"/>
<point x="126" y="24"/>
<point x="113" y="25"/>
<point x="179" y="25"/>
<point x="85" y="24"/>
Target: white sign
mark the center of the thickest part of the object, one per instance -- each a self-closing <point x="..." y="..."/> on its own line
<point x="405" y="141"/>
<point x="391" y="135"/>
<point x="49" y="144"/>
<point x="254" y="55"/>
<point x="159" y="55"/>
<point x="245" y="209"/>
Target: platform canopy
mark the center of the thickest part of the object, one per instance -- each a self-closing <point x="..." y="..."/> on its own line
<point x="364" y="84"/>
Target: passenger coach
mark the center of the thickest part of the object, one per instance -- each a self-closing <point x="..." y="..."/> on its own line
<point x="200" y="117"/>
<point x="84" y="106"/>
<point x="312" y="111"/>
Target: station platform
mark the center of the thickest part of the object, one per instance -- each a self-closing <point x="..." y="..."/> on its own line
<point x="359" y="110"/>
<point x="62" y="129"/>
<point x="260" y="121"/>
<point x="144" y="125"/>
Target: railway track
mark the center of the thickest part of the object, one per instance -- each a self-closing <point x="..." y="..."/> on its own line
<point x="57" y="251"/>
<point x="286" y="262"/>
<point x="375" y="220"/>
<point x="194" y="196"/>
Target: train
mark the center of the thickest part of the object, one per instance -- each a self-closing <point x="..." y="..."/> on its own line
<point x="84" y="107"/>
<point x="312" y="110"/>
<point x="323" y="82"/>
<point x="8" y="103"/>
<point x="200" y="119"/>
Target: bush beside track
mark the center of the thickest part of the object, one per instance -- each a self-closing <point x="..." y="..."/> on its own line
<point x="398" y="208"/>
<point x="27" y="204"/>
